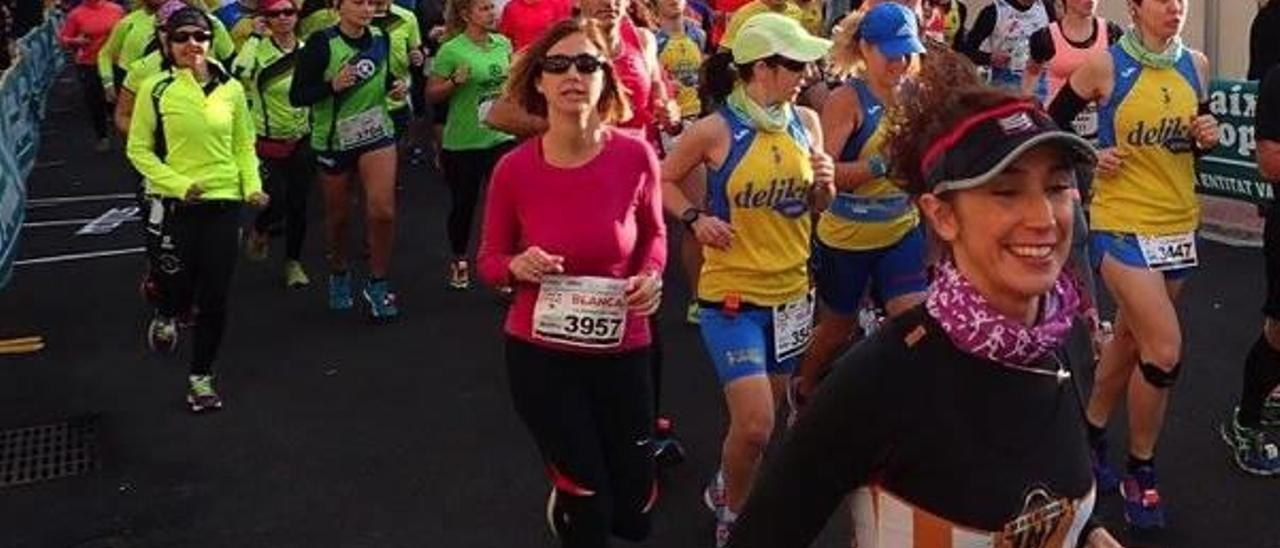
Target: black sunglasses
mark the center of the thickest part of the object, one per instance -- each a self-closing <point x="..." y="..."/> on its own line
<point x="182" y="36"/>
<point x="280" y="13"/>
<point x="789" y="64"/>
<point x="559" y="64"/>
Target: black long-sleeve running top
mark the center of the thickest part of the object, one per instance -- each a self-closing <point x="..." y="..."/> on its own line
<point x="936" y="445"/>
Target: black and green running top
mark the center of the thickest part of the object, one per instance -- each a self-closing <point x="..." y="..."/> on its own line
<point x="267" y="71"/>
<point x="356" y="117"/>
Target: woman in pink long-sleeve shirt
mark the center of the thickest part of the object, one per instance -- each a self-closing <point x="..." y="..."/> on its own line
<point x="574" y="222"/>
<point x="86" y="28"/>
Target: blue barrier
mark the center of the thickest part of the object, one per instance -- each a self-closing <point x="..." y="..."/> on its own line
<point x="23" y="94"/>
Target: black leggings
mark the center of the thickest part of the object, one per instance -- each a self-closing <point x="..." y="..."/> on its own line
<point x="95" y="99"/>
<point x="466" y="172"/>
<point x="193" y="255"/>
<point x="592" y="418"/>
<point x="288" y="182"/>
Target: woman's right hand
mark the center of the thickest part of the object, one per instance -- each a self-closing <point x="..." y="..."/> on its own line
<point x="534" y="263"/>
<point x="1110" y="160"/>
<point x="711" y="231"/>
<point x="460" y="75"/>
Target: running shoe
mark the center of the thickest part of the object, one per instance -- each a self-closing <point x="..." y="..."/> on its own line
<point x="340" y="291"/>
<point x="382" y="302"/>
<point x="1103" y="474"/>
<point x="257" y="246"/>
<point x="1254" y="450"/>
<point x="294" y="275"/>
<point x="201" y="395"/>
<point x="1142" y="509"/>
<point x="162" y="335"/>
<point x="691" y="312"/>
<point x="459" y="276"/>
<point x="1271" y="411"/>
<point x="714" y="495"/>
<point x="667" y="449"/>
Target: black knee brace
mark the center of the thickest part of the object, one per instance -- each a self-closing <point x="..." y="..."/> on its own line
<point x="1157" y="377"/>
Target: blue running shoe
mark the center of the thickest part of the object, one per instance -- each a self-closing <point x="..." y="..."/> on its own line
<point x="382" y="302"/>
<point x="1142" y="509"/>
<point x="1103" y="474"/>
<point x="1271" y="411"/>
<point x="340" y="291"/>
<point x="1254" y="450"/>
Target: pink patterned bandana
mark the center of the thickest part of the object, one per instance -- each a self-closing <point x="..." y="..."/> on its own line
<point x="978" y="329"/>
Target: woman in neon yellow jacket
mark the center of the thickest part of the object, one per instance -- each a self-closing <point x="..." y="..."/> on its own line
<point x="192" y="138"/>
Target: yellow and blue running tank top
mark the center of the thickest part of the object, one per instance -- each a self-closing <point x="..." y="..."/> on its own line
<point x="877" y="213"/>
<point x="762" y="191"/>
<point x="1149" y="117"/>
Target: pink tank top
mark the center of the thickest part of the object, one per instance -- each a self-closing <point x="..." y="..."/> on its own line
<point x="1067" y="58"/>
<point x="633" y="74"/>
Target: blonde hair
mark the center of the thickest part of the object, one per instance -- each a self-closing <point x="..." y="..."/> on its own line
<point x="454" y="21"/>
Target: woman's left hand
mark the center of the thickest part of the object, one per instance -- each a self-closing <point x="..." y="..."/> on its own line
<point x="1204" y="129"/>
<point x="258" y="200"/>
<point x="399" y="90"/>
<point x="644" y="293"/>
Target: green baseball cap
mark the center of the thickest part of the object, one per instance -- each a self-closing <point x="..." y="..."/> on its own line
<point x="768" y="34"/>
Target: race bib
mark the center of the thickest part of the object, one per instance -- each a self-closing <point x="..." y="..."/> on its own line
<point x="1169" y="252"/>
<point x="792" y="327"/>
<point x="362" y="129"/>
<point x="1086" y="123"/>
<point x="482" y="111"/>
<point x="581" y="311"/>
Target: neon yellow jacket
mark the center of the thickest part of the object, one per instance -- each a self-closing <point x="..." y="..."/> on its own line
<point x="207" y="139"/>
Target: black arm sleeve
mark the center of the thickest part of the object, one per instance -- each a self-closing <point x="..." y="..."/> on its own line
<point x="1114" y="32"/>
<point x="1042" y="48"/>
<point x="1066" y="106"/>
<point x="982" y="29"/>
<point x="309" y="86"/>
<point x="1267" y="121"/>
<point x="833" y="448"/>
<point x="959" y="43"/>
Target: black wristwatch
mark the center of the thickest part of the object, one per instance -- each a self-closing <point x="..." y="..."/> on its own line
<point x="690" y="216"/>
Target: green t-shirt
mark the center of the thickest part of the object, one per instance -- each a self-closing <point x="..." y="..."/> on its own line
<point x="464" y="129"/>
<point x="357" y="117"/>
<point x="401" y="26"/>
<point x="266" y="72"/>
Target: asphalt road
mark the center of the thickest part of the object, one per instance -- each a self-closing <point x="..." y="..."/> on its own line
<point x="341" y="433"/>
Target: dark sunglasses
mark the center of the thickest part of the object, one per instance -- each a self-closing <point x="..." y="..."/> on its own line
<point x="280" y="13"/>
<point x="789" y="64"/>
<point x="182" y="36"/>
<point x="559" y="64"/>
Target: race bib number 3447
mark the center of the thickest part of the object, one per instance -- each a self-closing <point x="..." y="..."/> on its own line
<point x="1169" y="252"/>
<point x="581" y="311"/>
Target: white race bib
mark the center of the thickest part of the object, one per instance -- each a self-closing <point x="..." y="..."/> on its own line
<point x="482" y="111"/>
<point x="792" y="327"/>
<point x="1169" y="252"/>
<point x="362" y="129"/>
<point x="582" y="311"/>
<point x="1086" y="123"/>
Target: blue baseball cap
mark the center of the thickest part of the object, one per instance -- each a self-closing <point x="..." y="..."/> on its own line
<point x="892" y="29"/>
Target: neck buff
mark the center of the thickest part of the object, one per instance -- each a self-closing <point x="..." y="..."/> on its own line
<point x="1133" y="45"/>
<point x="771" y="120"/>
<point x="978" y="329"/>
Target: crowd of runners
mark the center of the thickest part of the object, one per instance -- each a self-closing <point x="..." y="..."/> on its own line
<point x="890" y="219"/>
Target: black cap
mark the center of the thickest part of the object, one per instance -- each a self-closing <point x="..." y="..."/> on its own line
<point x="986" y="143"/>
<point x="187" y="17"/>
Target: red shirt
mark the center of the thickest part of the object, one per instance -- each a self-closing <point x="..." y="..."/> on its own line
<point x="92" y="19"/>
<point x="524" y="21"/>
<point x="604" y="218"/>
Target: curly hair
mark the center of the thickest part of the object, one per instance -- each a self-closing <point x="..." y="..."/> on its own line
<point x="946" y="91"/>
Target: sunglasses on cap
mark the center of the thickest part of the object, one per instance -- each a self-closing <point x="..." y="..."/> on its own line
<point x="183" y="36"/>
<point x="789" y="64"/>
<point x="559" y="64"/>
<point x="287" y="12"/>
